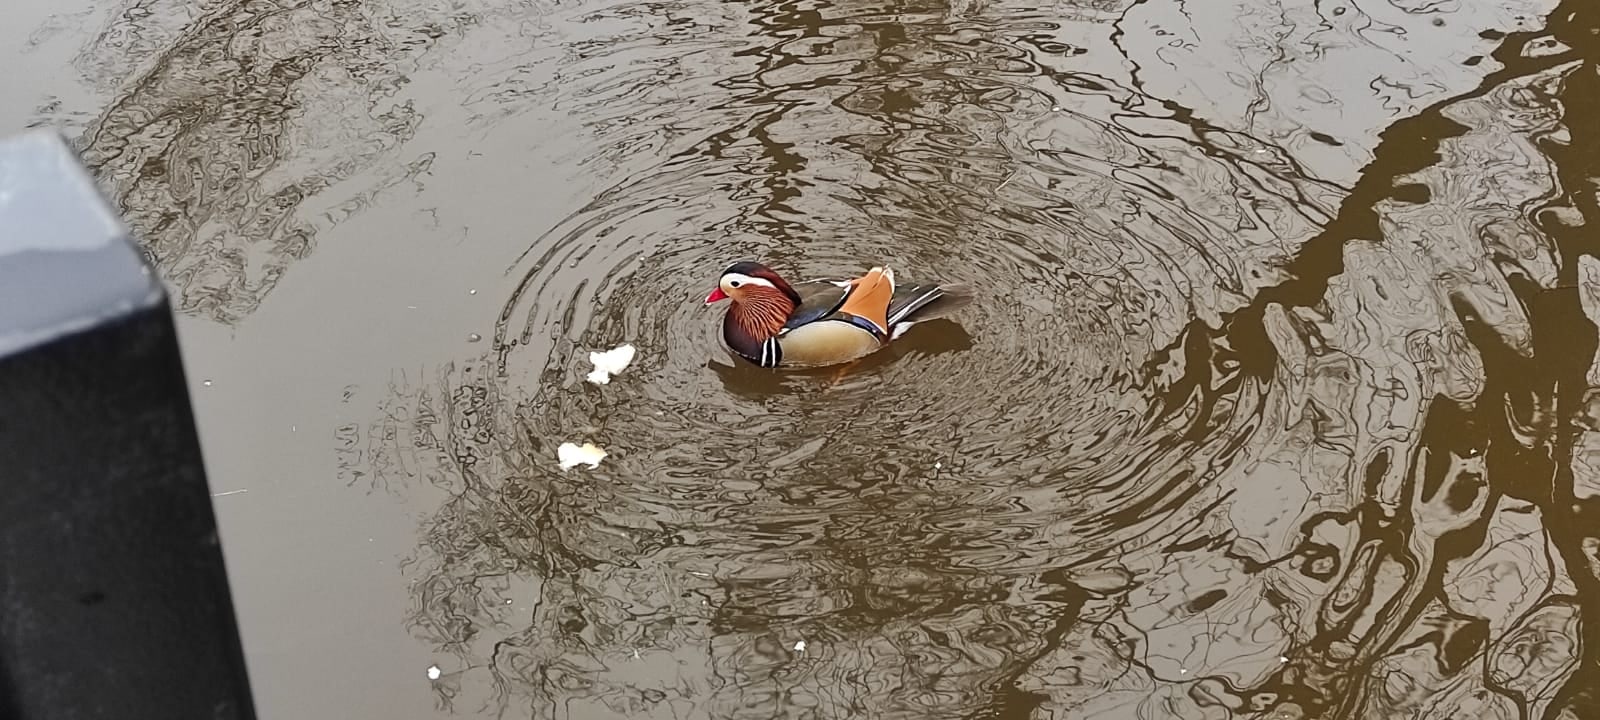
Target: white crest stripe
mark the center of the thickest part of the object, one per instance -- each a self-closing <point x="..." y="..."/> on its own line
<point x="743" y="279"/>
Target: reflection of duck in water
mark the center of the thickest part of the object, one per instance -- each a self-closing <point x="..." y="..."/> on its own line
<point x="822" y="322"/>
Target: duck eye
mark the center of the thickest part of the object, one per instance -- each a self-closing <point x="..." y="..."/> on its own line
<point x="734" y="283"/>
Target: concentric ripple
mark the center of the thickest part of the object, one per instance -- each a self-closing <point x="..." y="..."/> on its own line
<point x="932" y="481"/>
<point x="1017" y="389"/>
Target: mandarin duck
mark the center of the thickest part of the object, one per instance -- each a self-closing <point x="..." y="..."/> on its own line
<point x="822" y="322"/>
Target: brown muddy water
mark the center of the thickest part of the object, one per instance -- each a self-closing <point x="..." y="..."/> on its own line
<point x="1278" y="399"/>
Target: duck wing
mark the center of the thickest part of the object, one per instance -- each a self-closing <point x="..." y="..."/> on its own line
<point x="818" y="299"/>
<point x="869" y="300"/>
<point x="915" y="303"/>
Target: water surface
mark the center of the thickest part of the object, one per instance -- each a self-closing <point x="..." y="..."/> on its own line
<point x="1277" y="400"/>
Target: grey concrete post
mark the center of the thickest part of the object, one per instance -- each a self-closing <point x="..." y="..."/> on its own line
<point x="113" y="598"/>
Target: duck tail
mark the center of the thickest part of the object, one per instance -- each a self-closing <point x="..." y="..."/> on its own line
<point x="920" y="303"/>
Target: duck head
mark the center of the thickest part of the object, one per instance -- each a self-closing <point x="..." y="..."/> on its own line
<point x="752" y="282"/>
<point x="761" y="300"/>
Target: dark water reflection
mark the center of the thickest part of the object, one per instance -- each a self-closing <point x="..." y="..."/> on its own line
<point x="1277" y="401"/>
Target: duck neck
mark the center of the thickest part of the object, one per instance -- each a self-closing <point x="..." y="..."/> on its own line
<point x="758" y="317"/>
